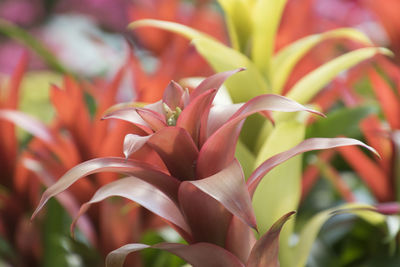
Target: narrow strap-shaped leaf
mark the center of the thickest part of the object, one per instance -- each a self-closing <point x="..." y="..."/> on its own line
<point x="369" y="171"/>
<point x="27" y="39"/>
<point x="306" y="145"/>
<point x="177" y="150"/>
<point x="196" y="114"/>
<point x="213" y="82"/>
<point x="228" y="188"/>
<point x="143" y="193"/>
<point x="219" y="115"/>
<point x="285" y="60"/>
<point x="305" y="89"/>
<point x="219" y="149"/>
<point x="66" y="199"/>
<point x="266" y="250"/>
<point x="216" y="54"/>
<point x="198" y="255"/>
<point x="164" y="182"/>
<point x="266" y="16"/>
<point x="389" y="101"/>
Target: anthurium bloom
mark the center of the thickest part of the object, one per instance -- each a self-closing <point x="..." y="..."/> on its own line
<point x="201" y="190"/>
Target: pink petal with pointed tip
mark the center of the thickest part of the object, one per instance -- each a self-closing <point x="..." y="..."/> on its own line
<point x="173" y="95"/>
<point x="306" y="145"/>
<point x="219" y="115"/>
<point x="228" y="188"/>
<point x="133" y="143"/>
<point x="213" y="82"/>
<point x="266" y="250"/>
<point x="164" y="182"/>
<point x="177" y="150"/>
<point x="143" y="193"/>
<point x="219" y="149"/>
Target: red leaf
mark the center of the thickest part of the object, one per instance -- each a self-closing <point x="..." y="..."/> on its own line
<point x="228" y="188"/>
<point x="143" y="193"/>
<point x="177" y="150"/>
<point x="265" y="251"/>
<point x="306" y="145"/>
<point x="164" y="182"/>
<point x="369" y="171"/>
<point x="219" y="149"/>
<point x="387" y="98"/>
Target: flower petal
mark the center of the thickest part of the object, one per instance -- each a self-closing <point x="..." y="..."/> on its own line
<point x="133" y="143"/>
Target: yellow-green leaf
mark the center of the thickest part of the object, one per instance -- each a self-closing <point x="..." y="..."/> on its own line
<point x="266" y="16"/>
<point x="237" y="17"/>
<point x="285" y="60"/>
<point x="305" y="89"/>
<point x="242" y="86"/>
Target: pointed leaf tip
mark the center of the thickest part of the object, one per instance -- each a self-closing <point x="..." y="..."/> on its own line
<point x="266" y="250"/>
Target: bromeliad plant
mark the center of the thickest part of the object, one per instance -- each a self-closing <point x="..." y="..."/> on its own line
<point x="252" y="28"/>
<point x="200" y="190"/>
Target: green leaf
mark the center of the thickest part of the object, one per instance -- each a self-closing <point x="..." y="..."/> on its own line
<point x="311" y="229"/>
<point x="285" y="60"/>
<point x="343" y="121"/>
<point x="245" y="157"/>
<point x="305" y="89"/>
<point x="28" y="40"/>
<point x="242" y="86"/>
<point x="266" y="16"/>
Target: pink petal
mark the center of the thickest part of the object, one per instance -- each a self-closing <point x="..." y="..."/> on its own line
<point x="164" y="182"/>
<point x="177" y="150"/>
<point x="219" y="149"/>
<point x="133" y="143"/>
<point x="306" y="145"/>
<point x="228" y="188"/>
<point x="173" y="95"/>
<point x="142" y="193"/>
<point x="129" y="115"/>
